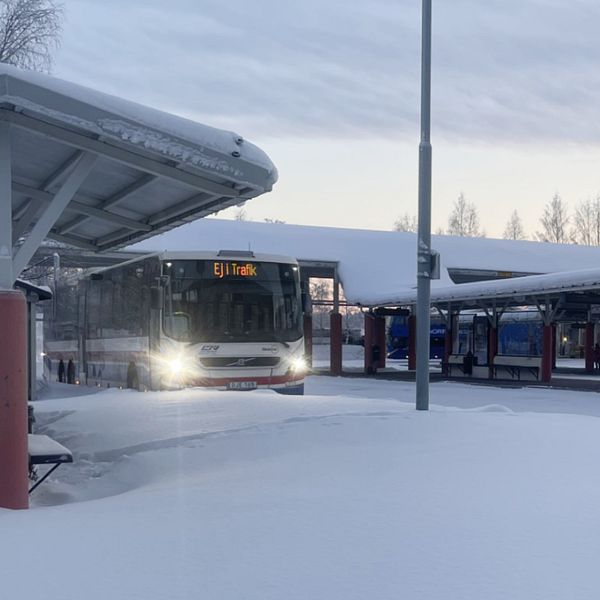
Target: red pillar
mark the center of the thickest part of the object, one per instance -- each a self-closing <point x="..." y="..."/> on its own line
<point x="380" y="341"/>
<point x="368" y="344"/>
<point x="335" y="342"/>
<point x="547" y="354"/>
<point x="589" y="347"/>
<point x="492" y="349"/>
<point x="554" y="345"/>
<point x="447" y="343"/>
<point x="13" y="401"/>
<point x="412" y="343"/>
<point x="308" y="339"/>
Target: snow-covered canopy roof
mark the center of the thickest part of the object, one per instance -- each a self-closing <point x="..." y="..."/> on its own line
<point x="122" y="171"/>
<point x="517" y="291"/>
<point x="378" y="267"/>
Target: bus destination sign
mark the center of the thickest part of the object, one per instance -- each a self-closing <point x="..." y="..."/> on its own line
<point x="233" y="269"/>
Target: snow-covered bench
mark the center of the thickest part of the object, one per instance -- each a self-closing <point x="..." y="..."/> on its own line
<point x="45" y="451"/>
<point x="518" y="367"/>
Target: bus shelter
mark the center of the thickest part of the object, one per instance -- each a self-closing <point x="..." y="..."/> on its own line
<point x="95" y="172"/>
<point x="572" y="297"/>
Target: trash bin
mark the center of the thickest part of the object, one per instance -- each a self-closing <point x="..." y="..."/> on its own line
<point x="376" y="353"/>
<point x="468" y="364"/>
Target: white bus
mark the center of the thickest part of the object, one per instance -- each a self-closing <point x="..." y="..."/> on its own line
<point x="228" y="320"/>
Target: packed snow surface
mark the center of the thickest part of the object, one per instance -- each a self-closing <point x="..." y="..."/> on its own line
<point x="346" y="493"/>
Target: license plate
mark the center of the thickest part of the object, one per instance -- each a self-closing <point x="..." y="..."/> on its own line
<point x="242" y="385"/>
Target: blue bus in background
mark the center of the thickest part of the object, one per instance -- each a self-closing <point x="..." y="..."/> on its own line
<point x="397" y="338"/>
<point x="519" y="334"/>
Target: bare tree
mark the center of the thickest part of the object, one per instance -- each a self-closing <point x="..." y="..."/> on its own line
<point x="554" y="222"/>
<point x="464" y="220"/>
<point x="586" y="222"/>
<point x="240" y="214"/>
<point x="29" y="32"/>
<point x="406" y="223"/>
<point x="320" y="291"/>
<point x="514" y="228"/>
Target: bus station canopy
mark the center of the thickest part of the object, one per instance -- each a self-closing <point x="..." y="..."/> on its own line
<point x="571" y="294"/>
<point x="98" y="172"/>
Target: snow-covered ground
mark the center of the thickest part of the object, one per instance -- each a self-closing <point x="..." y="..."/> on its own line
<point x="346" y="493"/>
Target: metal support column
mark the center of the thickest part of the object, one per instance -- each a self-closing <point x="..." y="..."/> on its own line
<point x="335" y="338"/>
<point x="547" y="354"/>
<point x="589" y="347"/>
<point x="424" y="233"/>
<point x="492" y="346"/>
<point x="6" y="242"/>
<point x="32" y="345"/>
<point x="368" y="343"/>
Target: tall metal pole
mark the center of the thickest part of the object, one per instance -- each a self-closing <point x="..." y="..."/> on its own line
<point x="424" y="233"/>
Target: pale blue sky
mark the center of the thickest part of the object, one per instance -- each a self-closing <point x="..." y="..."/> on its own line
<point x="330" y="89"/>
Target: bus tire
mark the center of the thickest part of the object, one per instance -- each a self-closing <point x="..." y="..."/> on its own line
<point x="296" y="390"/>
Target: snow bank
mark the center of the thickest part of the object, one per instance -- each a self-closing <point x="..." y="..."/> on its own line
<point x="347" y="493"/>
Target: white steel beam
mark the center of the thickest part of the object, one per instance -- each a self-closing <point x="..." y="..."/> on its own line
<point x="73" y="241"/>
<point x="36" y="204"/>
<point x="82" y="209"/>
<point x="6" y="262"/>
<point x="53" y="210"/>
<point x="136" y="186"/>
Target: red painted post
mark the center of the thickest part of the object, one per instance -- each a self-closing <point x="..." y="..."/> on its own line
<point x="554" y="345"/>
<point x="492" y="349"/>
<point x="447" y="344"/>
<point x="13" y="401"/>
<point x="308" y="339"/>
<point x="335" y="341"/>
<point x="368" y="344"/>
<point x="380" y="340"/>
<point x="412" y="343"/>
<point x="547" y="354"/>
<point x="589" y="347"/>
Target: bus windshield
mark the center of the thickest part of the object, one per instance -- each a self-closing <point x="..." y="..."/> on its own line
<point x="232" y="301"/>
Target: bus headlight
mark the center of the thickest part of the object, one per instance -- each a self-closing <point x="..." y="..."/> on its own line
<point x="175" y="366"/>
<point x="298" y="365"/>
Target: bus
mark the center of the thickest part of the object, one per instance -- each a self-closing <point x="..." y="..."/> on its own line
<point x="228" y="320"/>
<point x="519" y="333"/>
<point x="397" y="338"/>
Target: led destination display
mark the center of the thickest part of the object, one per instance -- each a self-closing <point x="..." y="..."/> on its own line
<point x="233" y="269"/>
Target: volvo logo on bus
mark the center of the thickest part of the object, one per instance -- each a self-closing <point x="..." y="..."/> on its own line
<point x="241" y="362"/>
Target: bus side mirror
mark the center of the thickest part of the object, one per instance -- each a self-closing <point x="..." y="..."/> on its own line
<point x="306" y="303"/>
<point x="156" y="298"/>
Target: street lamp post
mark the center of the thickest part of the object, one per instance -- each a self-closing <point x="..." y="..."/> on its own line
<point x="424" y="230"/>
